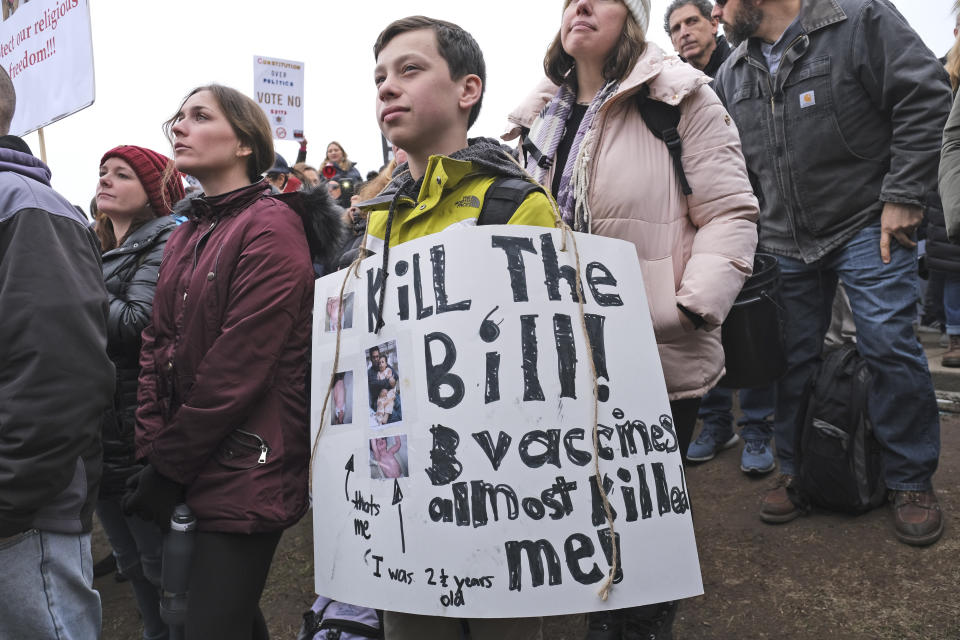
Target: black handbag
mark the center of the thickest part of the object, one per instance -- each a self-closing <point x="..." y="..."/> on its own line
<point x="752" y="333"/>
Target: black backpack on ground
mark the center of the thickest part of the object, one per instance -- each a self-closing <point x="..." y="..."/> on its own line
<point x="837" y="457"/>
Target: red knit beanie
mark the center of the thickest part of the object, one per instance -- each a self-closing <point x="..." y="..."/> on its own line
<point x="149" y="167"/>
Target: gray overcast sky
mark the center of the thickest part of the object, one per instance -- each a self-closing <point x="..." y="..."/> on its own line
<point x="149" y="54"/>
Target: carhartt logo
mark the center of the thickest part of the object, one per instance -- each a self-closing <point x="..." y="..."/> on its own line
<point x="469" y="201"/>
<point x="807" y="99"/>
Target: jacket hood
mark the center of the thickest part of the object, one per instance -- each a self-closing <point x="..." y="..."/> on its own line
<point x="15" y="157"/>
<point x="671" y="88"/>
<point x="485" y="154"/>
<point x="321" y="218"/>
<point x="322" y="221"/>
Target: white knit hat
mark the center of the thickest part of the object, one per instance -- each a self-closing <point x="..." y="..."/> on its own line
<point x="641" y="12"/>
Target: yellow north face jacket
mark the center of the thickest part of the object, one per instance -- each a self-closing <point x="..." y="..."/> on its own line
<point x="452" y="193"/>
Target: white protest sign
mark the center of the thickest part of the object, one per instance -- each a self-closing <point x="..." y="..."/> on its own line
<point x="46" y="47"/>
<point x="454" y="474"/>
<point x="278" y="89"/>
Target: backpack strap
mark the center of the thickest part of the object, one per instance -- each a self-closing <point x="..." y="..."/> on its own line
<point x="503" y="198"/>
<point x="662" y="119"/>
<point x="528" y="149"/>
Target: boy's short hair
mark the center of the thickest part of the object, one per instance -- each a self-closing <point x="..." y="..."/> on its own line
<point x="457" y="47"/>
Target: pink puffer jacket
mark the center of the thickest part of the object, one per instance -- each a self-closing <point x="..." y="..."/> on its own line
<point x="695" y="250"/>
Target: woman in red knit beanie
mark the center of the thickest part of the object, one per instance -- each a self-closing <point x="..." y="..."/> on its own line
<point x="147" y="167"/>
<point x="133" y="202"/>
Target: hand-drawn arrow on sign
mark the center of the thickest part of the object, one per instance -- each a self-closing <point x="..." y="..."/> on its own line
<point x="349" y="468"/>
<point x="397" y="499"/>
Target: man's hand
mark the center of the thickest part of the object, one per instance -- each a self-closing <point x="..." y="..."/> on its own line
<point x="898" y="221"/>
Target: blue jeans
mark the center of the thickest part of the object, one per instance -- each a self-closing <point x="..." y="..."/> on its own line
<point x="951" y="302"/>
<point x="883" y="298"/>
<point x="138" y="548"/>
<point x="48" y="587"/>
<point x="756" y="405"/>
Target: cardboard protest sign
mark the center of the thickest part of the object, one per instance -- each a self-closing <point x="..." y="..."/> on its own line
<point x="455" y="471"/>
<point x="46" y="47"/>
<point x="278" y="89"/>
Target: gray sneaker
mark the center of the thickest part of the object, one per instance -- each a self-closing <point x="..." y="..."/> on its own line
<point x="711" y="440"/>
<point x="757" y="458"/>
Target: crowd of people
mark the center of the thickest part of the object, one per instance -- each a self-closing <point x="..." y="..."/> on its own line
<point x="160" y="357"/>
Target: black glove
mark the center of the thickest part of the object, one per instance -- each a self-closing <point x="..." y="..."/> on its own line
<point x="152" y="497"/>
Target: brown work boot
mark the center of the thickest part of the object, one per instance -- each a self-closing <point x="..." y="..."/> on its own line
<point x="952" y="357"/>
<point x="916" y="517"/>
<point x="776" y="506"/>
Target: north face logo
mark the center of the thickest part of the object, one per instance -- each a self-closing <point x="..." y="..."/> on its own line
<point x="469" y="201"/>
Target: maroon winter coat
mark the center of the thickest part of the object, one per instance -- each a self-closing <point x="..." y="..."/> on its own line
<point x="222" y="403"/>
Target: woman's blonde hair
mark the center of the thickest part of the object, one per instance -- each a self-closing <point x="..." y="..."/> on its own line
<point x="953" y="64"/>
<point x="953" y="56"/>
<point x="371" y="188"/>
<point x="344" y="161"/>
<point x="557" y="63"/>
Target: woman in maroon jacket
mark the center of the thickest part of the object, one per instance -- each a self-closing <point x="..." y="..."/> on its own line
<point x="222" y="420"/>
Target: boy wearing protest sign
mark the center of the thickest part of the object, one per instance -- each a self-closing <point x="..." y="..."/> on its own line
<point x="430" y="78"/>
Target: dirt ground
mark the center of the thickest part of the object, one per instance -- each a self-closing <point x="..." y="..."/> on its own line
<point x="822" y="576"/>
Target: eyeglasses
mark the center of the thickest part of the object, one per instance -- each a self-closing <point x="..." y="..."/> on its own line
<point x="721" y="3"/>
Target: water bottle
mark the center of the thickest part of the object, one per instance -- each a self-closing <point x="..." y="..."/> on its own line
<point x="175" y="571"/>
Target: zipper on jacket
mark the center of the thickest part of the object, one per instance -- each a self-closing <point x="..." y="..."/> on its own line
<point x="771" y="77"/>
<point x="196" y="247"/>
<point x="264" y="449"/>
<point x="771" y="84"/>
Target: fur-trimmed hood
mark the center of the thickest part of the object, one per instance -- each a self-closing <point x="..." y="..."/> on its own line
<point x="322" y="221"/>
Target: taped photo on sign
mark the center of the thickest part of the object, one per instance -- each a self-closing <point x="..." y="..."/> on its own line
<point x="383" y="383"/>
<point x="341" y="396"/>
<point x="334" y="313"/>
<point x="388" y="458"/>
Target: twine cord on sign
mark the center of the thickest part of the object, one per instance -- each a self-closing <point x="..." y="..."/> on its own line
<point x="565" y="230"/>
<point x="604" y="592"/>
<point x="336" y="364"/>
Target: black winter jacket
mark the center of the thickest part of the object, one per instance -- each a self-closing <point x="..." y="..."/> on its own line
<point x="55" y="377"/>
<point x="130" y="274"/>
<point x="942" y="254"/>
